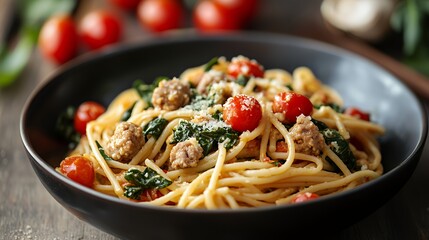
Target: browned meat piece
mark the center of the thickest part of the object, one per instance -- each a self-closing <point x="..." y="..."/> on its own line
<point x="126" y="141"/>
<point x="186" y="154"/>
<point x="171" y="95"/>
<point x="306" y="136"/>
<point x="208" y="79"/>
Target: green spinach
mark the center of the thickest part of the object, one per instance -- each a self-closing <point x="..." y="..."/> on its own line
<point x="155" y="127"/>
<point x="208" y="66"/>
<point x="336" y="143"/>
<point x="101" y="150"/>
<point x="64" y="127"/>
<point x="146" y="90"/>
<point x="140" y="181"/>
<point x="127" y="114"/>
<point x="207" y="135"/>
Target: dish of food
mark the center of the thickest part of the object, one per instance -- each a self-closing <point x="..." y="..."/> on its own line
<point x="227" y="134"/>
<point x="103" y="78"/>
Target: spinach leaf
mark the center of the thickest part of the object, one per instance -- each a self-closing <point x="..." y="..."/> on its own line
<point x="200" y="102"/>
<point x="208" y="66"/>
<point x="319" y="124"/>
<point x="242" y="80"/>
<point x="101" y="149"/>
<point x="207" y="135"/>
<point x="339" y="146"/>
<point x="64" y="127"/>
<point x="127" y="114"/>
<point x="146" y="90"/>
<point x="155" y="127"/>
<point x="336" y="143"/>
<point x="148" y="179"/>
<point x="334" y="106"/>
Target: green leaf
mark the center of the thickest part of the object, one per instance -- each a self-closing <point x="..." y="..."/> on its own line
<point x="127" y="114"/>
<point x="207" y="135"/>
<point x="334" y="107"/>
<point x="148" y="179"/>
<point x="65" y="129"/>
<point x="339" y="146"/>
<point x="411" y="27"/>
<point x="13" y="61"/>
<point x="34" y="13"/>
<point x="146" y="90"/>
<point x="155" y="127"/>
<point x="101" y="149"/>
<point x="210" y="64"/>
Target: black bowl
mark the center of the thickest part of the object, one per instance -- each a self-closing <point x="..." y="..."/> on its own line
<point x="101" y="77"/>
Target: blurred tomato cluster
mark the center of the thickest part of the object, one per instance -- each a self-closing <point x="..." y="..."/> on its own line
<point x="61" y="35"/>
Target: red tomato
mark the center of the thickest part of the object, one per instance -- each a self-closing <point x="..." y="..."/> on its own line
<point x="100" y="28"/>
<point x="303" y="197"/>
<point x="160" y="15"/>
<point x="85" y="113"/>
<point x="78" y="169"/>
<point x="242" y="112"/>
<point x="245" y="9"/>
<point x="126" y="4"/>
<point x="357" y="113"/>
<point x="149" y="195"/>
<point x="291" y="105"/>
<point x="212" y="16"/>
<point x="58" y="39"/>
<point x="246" y="67"/>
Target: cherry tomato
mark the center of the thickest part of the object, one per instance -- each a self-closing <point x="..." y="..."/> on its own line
<point x="58" y="39"/>
<point x="86" y="112"/>
<point x="303" y="197"/>
<point x="149" y="195"/>
<point x="352" y="111"/>
<point x="78" y="169"/>
<point x="100" y="28"/>
<point x="291" y="105"/>
<point x="127" y="5"/>
<point x="245" y="9"/>
<point x="211" y="16"/>
<point x="160" y="15"/>
<point x="246" y="67"/>
<point x="242" y="112"/>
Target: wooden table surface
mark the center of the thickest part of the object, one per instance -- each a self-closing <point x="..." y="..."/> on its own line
<point x="27" y="211"/>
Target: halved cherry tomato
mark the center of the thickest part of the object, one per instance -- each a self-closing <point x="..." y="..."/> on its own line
<point x="242" y="112"/>
<point x="160" y="15"/>
<point x="303" y="197"/>
<point x="212" y="16"/>
<point x="78" y="169"/>
<point x="58" y="39"/>
<point x="245" y="67"/>
<point x="86" y="112"/>
<point x="291" y="105"/>
<point x="126" y="4"/>
<point x="100" y="28"/>
<point x="352" y="111"/>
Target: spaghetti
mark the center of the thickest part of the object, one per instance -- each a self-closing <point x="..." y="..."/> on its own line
<point x="222" y="136"/>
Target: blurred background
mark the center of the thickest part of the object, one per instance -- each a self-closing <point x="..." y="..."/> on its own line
<point x="37" y="37"/>
<point x="72" y="28"/>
